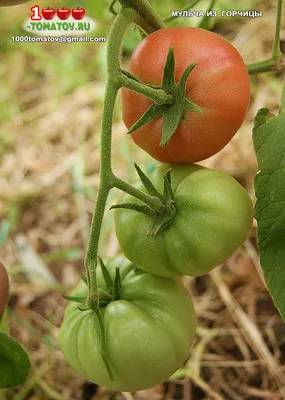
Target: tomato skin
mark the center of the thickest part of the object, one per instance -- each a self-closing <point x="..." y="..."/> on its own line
<point x="219" y="84"/>
<point x="213" y="217"/>
<point x="4" y="289"/>
<point x="149" y="331"/>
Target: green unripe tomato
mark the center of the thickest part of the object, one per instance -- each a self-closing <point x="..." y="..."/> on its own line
<point x="6" y="3"/>
<point x="149" y="330"/>
<point x="4" y="289"/>
<point x="213" y="217"/>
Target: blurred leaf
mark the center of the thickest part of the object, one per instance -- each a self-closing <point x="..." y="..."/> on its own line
<point x="48" y="340"/>
<point x="206" y="21"/>
<point x="131" y="39"/>
<point x="14" y="362"/>
<point x="68" y="254"/>
<point x="269" y="145"/>
<point x="4" y="231"/>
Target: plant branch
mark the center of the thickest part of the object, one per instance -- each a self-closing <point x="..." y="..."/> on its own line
<point x="266" y="66"/>
<point x="147" y="18"/>
<point x="122" y="21"/>
<point x="276" y="52"/>
<point x="277" y="61"/>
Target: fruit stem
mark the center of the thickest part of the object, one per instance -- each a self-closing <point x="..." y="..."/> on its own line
<point x="277" y="61"/>
<point x="157" y="95"/>
<point x="152" y="201"/>
<point x="146" y="17"/>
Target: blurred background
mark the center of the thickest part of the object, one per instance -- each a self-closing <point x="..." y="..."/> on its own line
<point x="51" y="105"/>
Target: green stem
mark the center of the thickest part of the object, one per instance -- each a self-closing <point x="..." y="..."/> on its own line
<point x="122" y="21"/>
<point x="266" y="66"/>
<point x="277" y="61"/>
<point x="276" y="52"/>
<point x="153" y="202"/>
<point x="157" y="95"/>
<point x="147" y="18"/>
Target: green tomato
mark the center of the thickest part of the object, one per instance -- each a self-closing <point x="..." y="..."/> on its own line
<point x="213" y="217"/>
<point x="149" y="330"/>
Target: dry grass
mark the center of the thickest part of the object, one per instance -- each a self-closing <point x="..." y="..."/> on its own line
<point x="48" y="178"/>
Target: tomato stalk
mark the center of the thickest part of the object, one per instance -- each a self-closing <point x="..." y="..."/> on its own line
<point x="122" y="21"/>
<point x="277" y="60"/>
<point x="146" y="17"/>
<point x="107" y="178"/>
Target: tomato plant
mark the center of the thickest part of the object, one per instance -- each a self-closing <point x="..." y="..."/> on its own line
<point x="219" y="85"/>
<point x="4" y="288"/>
<point x="149" y="325"/>
<point x="213" y="218"/>
<point x="130" y="324"/>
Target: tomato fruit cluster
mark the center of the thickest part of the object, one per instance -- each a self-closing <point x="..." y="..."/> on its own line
<point x="219" y="84"/>
<point x="4" y="288"/>
<point x="193" y="218"/>
<point x="149" y="330"/>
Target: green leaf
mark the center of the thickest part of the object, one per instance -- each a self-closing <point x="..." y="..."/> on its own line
<point x="171" y="120"/>
<point x="84" y="279"/>
<point x="112" y="7"/>
<point x="262" y="117"/>
<point x="135" y="207"/>
<point x="269" y="145"/>
<point x="154" y="111"/>
<point x="83" y="309"/>
<point x="161" y="222"/>
<point x="205" y="23"/>
<point x="191" y="107"/>
<point x="151" y="189"/>
<point x="75" y="299"/>
<point x="117" y="285"/>
<point x="14" y="362"/>
<point x="5" y="228"/>
<point x="168" y="77"/>
<point x="106" y="275"/>
<point x="184" y="77"/>
<point x="168" y="192"/>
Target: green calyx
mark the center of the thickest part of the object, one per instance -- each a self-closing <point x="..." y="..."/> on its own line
<point x="112" y="292"/>
<point x="164" y="211"/>
<point x="174" y="112"/>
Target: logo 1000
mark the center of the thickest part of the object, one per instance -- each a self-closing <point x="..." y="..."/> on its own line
<point x="62" y="13"/>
